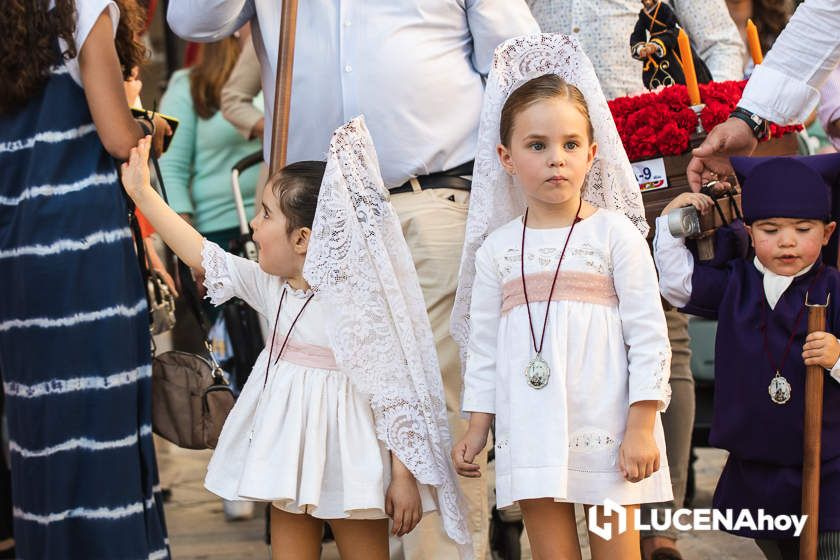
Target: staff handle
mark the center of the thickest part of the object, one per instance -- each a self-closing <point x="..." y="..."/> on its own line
<point x="283" y="86"/>
<point x="814" y="376"/>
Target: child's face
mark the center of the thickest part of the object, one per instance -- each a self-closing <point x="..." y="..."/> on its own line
<point x="281" y="253"/>
<point x="549" y="153"/>
<point x="788" y="245"/>
<point x="649" y="4"/>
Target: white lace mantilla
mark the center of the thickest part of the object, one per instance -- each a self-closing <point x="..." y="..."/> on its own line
<point x="380" y="333"/>
<point x="495" y="199"/>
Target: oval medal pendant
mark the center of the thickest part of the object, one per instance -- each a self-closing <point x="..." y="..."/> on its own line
<point x="537" y="372"/>
<point x="779" y="389"/>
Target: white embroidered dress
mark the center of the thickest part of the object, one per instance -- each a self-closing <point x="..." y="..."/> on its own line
<point x="607" y="347"/>
<point x="307" y="440"/>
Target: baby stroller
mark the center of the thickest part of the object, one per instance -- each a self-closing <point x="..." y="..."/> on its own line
<point x="242" y="323"/>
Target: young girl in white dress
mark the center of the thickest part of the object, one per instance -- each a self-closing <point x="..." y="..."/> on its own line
<point x="307" y="434"/>
<point x="567" y="343"/>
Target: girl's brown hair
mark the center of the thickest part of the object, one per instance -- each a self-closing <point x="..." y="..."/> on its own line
<point x="28" y="44"/>
<point x="296" y="187"/>
<point x="209" y="75"/>
<point x="549" y="86"/>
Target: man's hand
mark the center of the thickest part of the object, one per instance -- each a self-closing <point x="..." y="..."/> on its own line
<point x="710" y="160"/>
<point x="821" y="349"/>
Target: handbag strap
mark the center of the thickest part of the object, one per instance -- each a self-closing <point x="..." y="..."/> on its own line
<point x="187" y="283"/>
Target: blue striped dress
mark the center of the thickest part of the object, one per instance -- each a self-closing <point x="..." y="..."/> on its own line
<point x="74" y="341"/>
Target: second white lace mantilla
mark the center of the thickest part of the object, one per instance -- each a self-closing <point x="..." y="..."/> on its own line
<point x="495" y="199"/>
<point x="380" y="333"/>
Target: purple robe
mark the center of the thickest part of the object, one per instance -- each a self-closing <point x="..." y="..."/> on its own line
<point x="764" y="439"/>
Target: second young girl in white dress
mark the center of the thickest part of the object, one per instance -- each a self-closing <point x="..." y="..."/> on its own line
<point x="317" y="430"/>
<point x="567" y="344"/>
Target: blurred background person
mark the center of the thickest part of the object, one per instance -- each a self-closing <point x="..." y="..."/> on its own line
<point x="197" y="166"/>
<point x="769" y="17"/>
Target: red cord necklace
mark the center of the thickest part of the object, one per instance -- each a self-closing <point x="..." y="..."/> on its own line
<point x="288" y="333"/>
<point x="779" y="387"/>
<point x="538" y="371"/>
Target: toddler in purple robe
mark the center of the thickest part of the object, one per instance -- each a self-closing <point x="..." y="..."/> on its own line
<point x="761" y="349"/>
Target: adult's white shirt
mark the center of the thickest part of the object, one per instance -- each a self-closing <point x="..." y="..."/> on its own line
<point x="785" y="87"/>
<point x="603" y="28"/>
<point x="412" y="67"/>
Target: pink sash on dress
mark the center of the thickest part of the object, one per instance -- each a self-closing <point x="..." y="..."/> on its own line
<point x="307" y="355"/>
<point x="586" y="287"/>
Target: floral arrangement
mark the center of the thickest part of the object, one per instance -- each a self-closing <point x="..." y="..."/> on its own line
<point x="660" y="123"/>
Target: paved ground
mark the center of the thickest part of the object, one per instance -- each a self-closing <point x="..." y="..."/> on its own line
<point x="197" y="528"/>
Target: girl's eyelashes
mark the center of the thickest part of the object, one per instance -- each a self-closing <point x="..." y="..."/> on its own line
<point x="265" y="212"/>
<point x="539" y="146"/>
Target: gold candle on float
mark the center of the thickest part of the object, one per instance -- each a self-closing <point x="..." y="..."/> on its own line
<point x="753" y="43"/>
<point x="688" y="68"/>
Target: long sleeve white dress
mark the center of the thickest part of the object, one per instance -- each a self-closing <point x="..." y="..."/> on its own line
<point x="300" y="435"/>
<point x="607" y="347"/>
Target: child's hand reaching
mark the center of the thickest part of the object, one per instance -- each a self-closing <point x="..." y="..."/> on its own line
<point x="402" y="501"/>
<point x="135" y="171"/>
<point x="821" y="349"/>
<point x="702" y="202"/>
<point x="638" y="455"/>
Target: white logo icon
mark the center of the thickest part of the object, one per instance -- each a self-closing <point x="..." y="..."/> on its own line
<point x="605" y="531"/>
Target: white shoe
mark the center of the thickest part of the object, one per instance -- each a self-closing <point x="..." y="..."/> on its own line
<point x="237" y="510"/>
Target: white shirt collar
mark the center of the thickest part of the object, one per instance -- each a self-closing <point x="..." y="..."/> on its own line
<point x="776" y="284"/>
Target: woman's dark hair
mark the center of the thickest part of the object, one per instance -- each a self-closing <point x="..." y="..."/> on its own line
<point x="549" y="86"/>
<point x="296" y="187"/>
<point x="28" y="44"/>
<point x="770" y="18"/>
<point x="209" y="75"/>
<point x="130" y="49"/>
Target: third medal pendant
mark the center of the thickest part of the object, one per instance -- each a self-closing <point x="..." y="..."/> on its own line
<point x="537" y="372"/>
<point x="779" y="389"/>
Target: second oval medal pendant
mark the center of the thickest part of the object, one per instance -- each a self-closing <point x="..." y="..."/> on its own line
<point x="779" y="389"/>
<point x="537" y="372"/>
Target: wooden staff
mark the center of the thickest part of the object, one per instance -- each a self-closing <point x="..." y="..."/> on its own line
<point x="283" y="86"/>
<point x="812" y="440"/>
